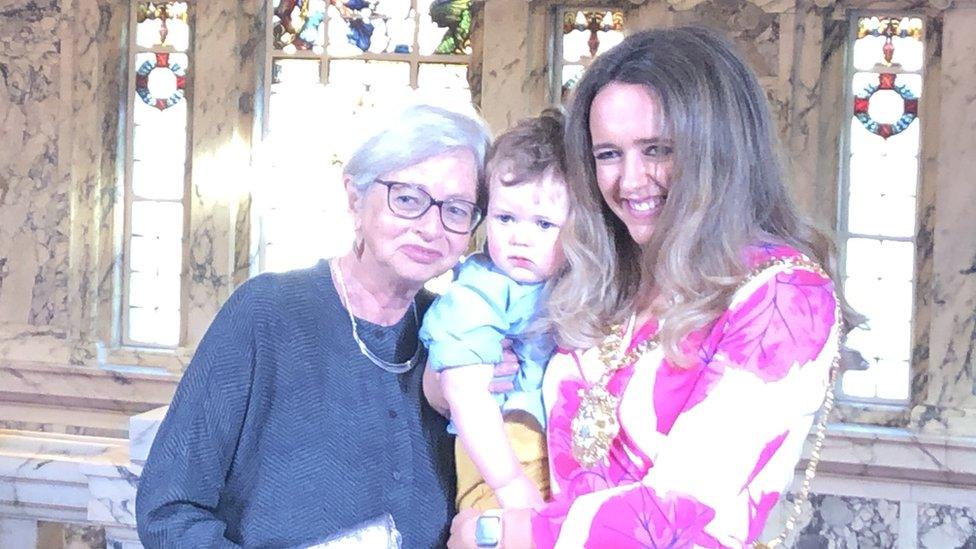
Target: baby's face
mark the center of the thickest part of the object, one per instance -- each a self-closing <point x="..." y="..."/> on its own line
<point x="523" y="227"/>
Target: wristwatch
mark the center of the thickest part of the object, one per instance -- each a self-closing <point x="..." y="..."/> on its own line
<point x="488" y="529"/>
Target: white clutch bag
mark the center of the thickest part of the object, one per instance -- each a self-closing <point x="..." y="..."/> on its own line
<point x="377" y="533"/>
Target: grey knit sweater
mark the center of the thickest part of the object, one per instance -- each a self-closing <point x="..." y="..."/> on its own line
<point x="281" y="433"/>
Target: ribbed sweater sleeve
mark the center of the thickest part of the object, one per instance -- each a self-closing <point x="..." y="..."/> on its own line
<point x="180" y="487"/>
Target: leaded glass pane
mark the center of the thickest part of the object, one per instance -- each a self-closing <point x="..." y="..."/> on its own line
<point x="586" y="34"/>
<point x="161" y="79"/>
<point x="152" y="291"/>
<point x="156" y="219"/>
<point x="865" y="143"/>
<point x="290" y="72"/>
<point x="882" y="339"/>
<point x="297" y="25"/>
<point x="147" y="250"/>
<point x="154" y="326"/>
<point x="298" y="103"/>
<point x="888" y="42"/>
<point x="155" y="142"/>
<point x="157" y="179"/>
<point x="438" y="76"/>
<point x="445" y="85"/>
<point x="859" y="383"/>
<point x="357" y="26"/>
<point x="162" y="24"/>
<point x="884" y="379"/>
<point x="870" y="258"/>
<point x="880" y="300"/>
<point x="571" y="75"/>
<point x="370" y="77"/>
<point x="894" y="383"/>
<point x="899" y="178"/>
<point x="154" y="284"/>
<point x="877" y="213"/>
<point x="289" y="224"/>
<point x="445" y="27"/>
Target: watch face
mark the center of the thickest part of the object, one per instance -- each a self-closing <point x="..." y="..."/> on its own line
<point x="487" y="531"/>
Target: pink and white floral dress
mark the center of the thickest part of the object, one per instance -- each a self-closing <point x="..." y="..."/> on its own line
<point x="703" y="453"/>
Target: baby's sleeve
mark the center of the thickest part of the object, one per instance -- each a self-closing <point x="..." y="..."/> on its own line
<point x="467" y="324"/>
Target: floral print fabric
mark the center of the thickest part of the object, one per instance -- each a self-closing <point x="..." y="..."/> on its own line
<point x="703" y="452"/>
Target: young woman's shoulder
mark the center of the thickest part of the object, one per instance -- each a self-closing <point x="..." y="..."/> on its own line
<point x="763" y="254"/>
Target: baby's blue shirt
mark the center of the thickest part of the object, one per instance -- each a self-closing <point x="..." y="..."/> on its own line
<point x="467" y="324"/>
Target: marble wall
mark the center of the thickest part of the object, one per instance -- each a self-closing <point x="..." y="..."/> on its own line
<point x="63" y="374"/>
<point x="34" y="193"/>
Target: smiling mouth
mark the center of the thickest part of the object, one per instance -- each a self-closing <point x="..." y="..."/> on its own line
<point x="645" y="207"/>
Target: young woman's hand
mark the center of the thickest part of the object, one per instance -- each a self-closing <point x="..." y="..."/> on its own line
<point x="516" y="529"/>
<point x="462" y="530"/>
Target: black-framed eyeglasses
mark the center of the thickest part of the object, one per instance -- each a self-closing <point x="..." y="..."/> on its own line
<point x="411" y="201"/>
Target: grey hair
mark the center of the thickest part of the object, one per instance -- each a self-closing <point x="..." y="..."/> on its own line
<point x="728" y="191"/>
<point x="420" y="132"/>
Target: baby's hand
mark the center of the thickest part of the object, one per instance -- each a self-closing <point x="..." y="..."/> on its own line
<point x="519" y="493"/>
<point x="503" y="379"/>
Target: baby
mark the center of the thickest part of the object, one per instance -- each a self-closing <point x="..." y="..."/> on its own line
<point x="501" y="450"/>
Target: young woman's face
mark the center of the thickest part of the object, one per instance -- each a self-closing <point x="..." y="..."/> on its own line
<point x="632" y="152"/>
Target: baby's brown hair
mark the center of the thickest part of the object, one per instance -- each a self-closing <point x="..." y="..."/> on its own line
<point x="529" y="149"/>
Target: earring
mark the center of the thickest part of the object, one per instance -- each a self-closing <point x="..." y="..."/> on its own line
<point x="359" y="245"/>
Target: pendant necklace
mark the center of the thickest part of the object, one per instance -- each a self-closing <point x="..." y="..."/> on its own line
<point x="392" y="367"/>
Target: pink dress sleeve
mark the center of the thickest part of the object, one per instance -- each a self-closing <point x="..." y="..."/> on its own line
<point x="704" y="453"/>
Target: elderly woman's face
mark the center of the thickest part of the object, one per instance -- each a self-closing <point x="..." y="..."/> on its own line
<point x="632" y="153"/>
<point x="417" y="250"/>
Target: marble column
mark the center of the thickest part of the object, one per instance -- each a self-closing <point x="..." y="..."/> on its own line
<point x="514" y="79"/>
<point x="93" y="39"/>
<point x="949" y="402"/>
<point x="228" y="56"/>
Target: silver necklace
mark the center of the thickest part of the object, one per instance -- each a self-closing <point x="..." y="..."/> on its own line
<point x="392" y="367"/>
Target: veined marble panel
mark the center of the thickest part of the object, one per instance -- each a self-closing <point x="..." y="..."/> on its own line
<point x="112" y="491"/>
<point x="842" y="522"/>
<point x="514" y="79"/>
<point x="94" y="43"/>
<point x="945" y="527"/>
<point x="142" y="432"/>
<point x="952" y="351"/>
<point x="224" y="63"/>
<point x="33" y="194"/>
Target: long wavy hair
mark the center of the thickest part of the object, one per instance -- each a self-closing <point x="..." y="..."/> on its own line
<point x="727" y="192"/>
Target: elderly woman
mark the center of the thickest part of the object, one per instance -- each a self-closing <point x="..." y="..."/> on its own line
<point x="302" y="414"/>
<point x="699" y="312"/>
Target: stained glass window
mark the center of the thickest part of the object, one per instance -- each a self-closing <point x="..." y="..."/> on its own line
<point x="877" y="224"/>
<point x="584" y="34"/>
<point x="155" y="183"/>
<point x="335" y="66"/>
